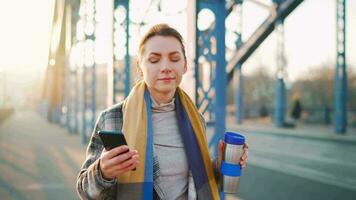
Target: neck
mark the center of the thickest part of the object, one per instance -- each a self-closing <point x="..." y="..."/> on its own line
<point x="160" y="97"/>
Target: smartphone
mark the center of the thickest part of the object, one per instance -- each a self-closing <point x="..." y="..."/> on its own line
<point x="112" y="139"/>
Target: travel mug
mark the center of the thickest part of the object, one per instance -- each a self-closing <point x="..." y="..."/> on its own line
<point x="230" y="168"/>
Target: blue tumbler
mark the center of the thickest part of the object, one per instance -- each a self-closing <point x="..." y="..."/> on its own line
<point x="230" y="168"/>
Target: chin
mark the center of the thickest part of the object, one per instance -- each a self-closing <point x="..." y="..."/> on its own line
<point x="166" y="88"/>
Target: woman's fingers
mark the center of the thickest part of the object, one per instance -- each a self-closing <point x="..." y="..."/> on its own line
<point x="116" y="151"/>
<point x="130" y="165"/>
<point x="244" y="157"/>
<point x="128" y="162"/>
<point x="123" y="157"/>
<point x="245" y="147"/>
<point x="125" y="166"/>
<point x="117" y="161"/>
<point x="243" y="162"/>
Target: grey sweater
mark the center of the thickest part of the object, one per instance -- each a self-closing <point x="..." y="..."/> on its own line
<point x="172" y="178"/>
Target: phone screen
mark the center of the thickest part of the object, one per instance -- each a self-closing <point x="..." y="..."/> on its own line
<point x="112" y="139"/>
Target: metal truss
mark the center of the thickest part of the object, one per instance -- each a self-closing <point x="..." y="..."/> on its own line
<point x="340" y="104"/>
<point x="210" y="74"/>
<point x="121" y="71"/>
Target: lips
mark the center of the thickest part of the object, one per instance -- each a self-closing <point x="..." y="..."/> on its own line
<point x="167" y="79"/>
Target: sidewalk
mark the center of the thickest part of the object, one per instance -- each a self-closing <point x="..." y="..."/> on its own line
<point x="301" y="130"/>
<point x="38" y="160"/>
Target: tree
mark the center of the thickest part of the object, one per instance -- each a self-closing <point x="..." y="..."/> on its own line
<point x="316" y="88"/>
<point x="258" y="92"/>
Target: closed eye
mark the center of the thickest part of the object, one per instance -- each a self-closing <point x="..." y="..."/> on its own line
<point x="175" y="57"/>
<point x="153" y="59"/>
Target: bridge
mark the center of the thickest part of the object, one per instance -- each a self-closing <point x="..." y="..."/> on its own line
<point x="90" y="67"/>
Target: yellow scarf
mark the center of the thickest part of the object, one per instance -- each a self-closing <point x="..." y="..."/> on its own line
<point x="135" y="129"/>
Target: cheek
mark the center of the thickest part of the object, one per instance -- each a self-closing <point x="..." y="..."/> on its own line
<point x="150" y="72"/>
<point x="180" y="68"/>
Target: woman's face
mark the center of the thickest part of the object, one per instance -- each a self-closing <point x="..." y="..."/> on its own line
<point x="162" y="64"/>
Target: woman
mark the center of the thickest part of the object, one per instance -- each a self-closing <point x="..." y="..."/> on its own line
<point x="164" y="131"/>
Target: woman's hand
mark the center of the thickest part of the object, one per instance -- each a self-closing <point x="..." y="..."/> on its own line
<point x="243" y="159"/>
<point x="117" y="161"/>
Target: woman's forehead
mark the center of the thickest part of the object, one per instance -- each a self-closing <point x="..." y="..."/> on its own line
<point x="162" y="44"/>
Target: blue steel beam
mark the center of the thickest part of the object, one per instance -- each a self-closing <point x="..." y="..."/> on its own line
<point x="88" y="74"/>
<point x="210" y="53"/>
<point x="280" y="103"/>
<point x="72" y="108"/>
<point x="122" y="75"/>
<point x="73" y="102"/>
<point x="56" y="64"/>
<point x="93" y="98"/>
<point x="76" y="101"/>
<point x="340" y="89"/>
<point x="83" y="134"/>
<point x="67" y="98"/>
<point x="280" y="98"/>
<point x="261" y="33"/>
<point x="68" y="89"/>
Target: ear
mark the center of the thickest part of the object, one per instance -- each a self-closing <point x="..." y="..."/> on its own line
<point x="138" y="69"/>
<point x="185" y="67"/>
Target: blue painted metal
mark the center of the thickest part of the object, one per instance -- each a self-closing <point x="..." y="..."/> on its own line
<point x="122" y="74"/>
<point x="90" y="100"/>
<point x="280" y="98"/>
<point x="280" y="105"/>
<point x="84" y="106"/>
<point x="56" y="114"/>
<point x="72" y="100"/>
<point x="262" y="32"/>
<point x="88" y="110"/>
<point x="68" y="98"/>
<point x="210" y="52"/>
<point x="340" y="105"/>
<point x="56" y="103"/>
<point x="127" y="56"/>
<point x="76" y="101"/>
<point x="93" y="98"/>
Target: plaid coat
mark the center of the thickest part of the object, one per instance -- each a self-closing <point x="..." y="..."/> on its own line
<point x="90" y="182"/>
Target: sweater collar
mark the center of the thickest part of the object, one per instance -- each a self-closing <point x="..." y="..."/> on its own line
<point x="163" y="107"/>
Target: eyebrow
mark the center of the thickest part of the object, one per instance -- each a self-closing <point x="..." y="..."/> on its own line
<point x="159" y="54"/>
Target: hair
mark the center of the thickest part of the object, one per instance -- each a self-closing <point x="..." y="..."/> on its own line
<point x="161" y="30"/>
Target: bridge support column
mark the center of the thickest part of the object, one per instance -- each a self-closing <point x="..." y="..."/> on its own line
<point x="340" y="89"/>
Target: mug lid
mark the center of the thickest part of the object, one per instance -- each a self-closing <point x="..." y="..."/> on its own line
<point x="234" y="138"/>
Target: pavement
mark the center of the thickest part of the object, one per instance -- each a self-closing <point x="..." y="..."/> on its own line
<point x="302" y="130"/>
<point x="38" y="160"/>
<point x="305" y="162"/>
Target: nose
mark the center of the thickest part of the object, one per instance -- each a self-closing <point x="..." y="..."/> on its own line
<point x="166" y="66"/>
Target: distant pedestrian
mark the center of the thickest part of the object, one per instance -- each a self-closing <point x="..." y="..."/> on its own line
<point x="263" y="111"/>
<point x="296" y="110"/>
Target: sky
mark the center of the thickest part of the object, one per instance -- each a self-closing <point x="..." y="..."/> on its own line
<point x="309" y="37"/>
<point x="24" y="36"/>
